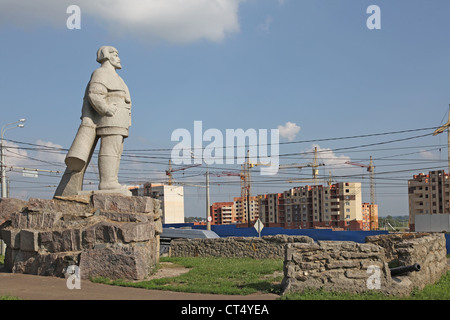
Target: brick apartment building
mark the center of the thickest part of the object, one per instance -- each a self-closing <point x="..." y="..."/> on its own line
<point x="338" y="206"/>
<point x="223" y="213"/>
<point x="241" y="209"/>
<point x="234" y="212"/>
<point x="428" y="194"/>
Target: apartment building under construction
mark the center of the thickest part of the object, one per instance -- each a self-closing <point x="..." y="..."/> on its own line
<point x="337" y="206"/>
<point x="223" y="213"/>
<point x="235" y="211"/>
<point x="428" y="196"/>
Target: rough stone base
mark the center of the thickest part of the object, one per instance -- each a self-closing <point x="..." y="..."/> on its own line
<point x="346" y="266"/>
<point x="267" y="247"/>
<point x="105" y="235"/>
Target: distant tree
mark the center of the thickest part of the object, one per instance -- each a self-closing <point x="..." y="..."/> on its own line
<point x="194" y="219"/>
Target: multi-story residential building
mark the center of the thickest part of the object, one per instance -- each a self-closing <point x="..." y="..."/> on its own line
<point x="369" y="216"/>
<point x="241" y="209"/>
<point x="428" y="194"/>
<point x="223" y="213"/>
<point x="172" y="200"/>
<point x="337" y="206"/>
<point x="271" y="209"/>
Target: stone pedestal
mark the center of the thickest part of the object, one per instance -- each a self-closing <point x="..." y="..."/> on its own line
<point x="106" y="235"/>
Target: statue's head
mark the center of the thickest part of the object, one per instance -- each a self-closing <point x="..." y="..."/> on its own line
<point x="108" y="53"/>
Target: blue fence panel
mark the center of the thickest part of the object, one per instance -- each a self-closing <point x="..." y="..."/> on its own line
<point x="316" y="234"/>
<point x="447" y="242"/>
<point x="231" y="230"/>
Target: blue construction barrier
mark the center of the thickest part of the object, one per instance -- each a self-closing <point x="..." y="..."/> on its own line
<point x="447" y="242"/>
<point x="230" y="230"/>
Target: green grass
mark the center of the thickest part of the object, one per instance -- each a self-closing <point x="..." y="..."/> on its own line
<point x="324" y="295"/>
<point x="2" y="259"/>
<point x="437" y="291"/>
<point x="9" y="298"/>
<point x="233" y="276"/>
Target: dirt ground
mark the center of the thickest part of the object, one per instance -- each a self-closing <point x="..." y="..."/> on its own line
<point x="31" y="287"/>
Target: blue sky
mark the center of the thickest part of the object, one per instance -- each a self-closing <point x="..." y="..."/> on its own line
<point x="235" y="64"/>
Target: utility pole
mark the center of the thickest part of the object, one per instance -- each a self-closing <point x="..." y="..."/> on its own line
<point x="3" y="166"/>
<point x="2" y="149"/>
<point x="208" y="212"/>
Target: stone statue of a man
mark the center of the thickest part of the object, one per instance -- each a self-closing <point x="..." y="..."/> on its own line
<point x="106" y="115"/>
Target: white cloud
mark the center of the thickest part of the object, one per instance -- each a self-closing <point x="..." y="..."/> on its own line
<point x="289" y="130"/>
<point x="53" y="154"/>
<point x="265" y="26"/>
<point x="174" y="21"/>
<point x="333" y="161"/>
<point x="428" y="155"/>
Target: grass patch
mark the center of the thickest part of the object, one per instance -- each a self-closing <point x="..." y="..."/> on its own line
<point x="233" y="276"/>
<point x="2" y="259"/>
<point x="438" y="291"/>
<point x="320" y="294"/>
<point x="236" y="276"/>
<point x="2" y="298"/>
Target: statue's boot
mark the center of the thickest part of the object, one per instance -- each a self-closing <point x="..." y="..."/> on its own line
<point x="108" y="166"/>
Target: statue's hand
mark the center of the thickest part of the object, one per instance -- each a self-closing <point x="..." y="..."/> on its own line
<point x="111" y="111"/>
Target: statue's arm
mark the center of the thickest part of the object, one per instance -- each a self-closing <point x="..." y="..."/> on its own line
<point x="97" y="97"/>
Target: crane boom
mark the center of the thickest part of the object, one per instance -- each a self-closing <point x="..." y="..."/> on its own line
<point x="370" y="168"/>
<point x="170" y="170"/>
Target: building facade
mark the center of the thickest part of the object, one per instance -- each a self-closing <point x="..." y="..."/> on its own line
<point x="337" y="206"/>
<point x="428" y="194"/>
<point x="172" y="200"/>
<point x="223" y="213"/>
<point x="241" y="209"/>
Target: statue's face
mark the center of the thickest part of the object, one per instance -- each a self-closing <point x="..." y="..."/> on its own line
<point x="115" y="60"/>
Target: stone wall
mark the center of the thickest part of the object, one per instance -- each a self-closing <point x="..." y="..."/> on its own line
<point x="426" y="249"/>
<point x="354" y="267"/>
<point x="103" y="234"/>
<point x="267" y="247"/>
<point x="334" y="266"/>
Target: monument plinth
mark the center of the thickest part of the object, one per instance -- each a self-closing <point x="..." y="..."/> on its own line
<point x="104" y="235"/>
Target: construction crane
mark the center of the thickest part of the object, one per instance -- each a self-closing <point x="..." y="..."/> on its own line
<point x="170" y="170"/>
<point x="226" y="174"/>
<point x="441" y="129"/>
<point x="246" y="186"/>
<point x="315" y="164"/>
<point x="370" y="168"/>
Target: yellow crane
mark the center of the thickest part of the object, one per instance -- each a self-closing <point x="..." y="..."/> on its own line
<point x="170" y="170"/>
<point x="441" y="129"/>
<point x="314" y="165"/>
<point x="371" y="169"/>
<point x="246" y="186"/>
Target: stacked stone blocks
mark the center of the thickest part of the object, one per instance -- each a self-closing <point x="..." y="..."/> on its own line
<point x="105" y="235"/>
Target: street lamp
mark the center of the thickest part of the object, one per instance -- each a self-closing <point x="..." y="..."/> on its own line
<point x="18" y="124"/>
